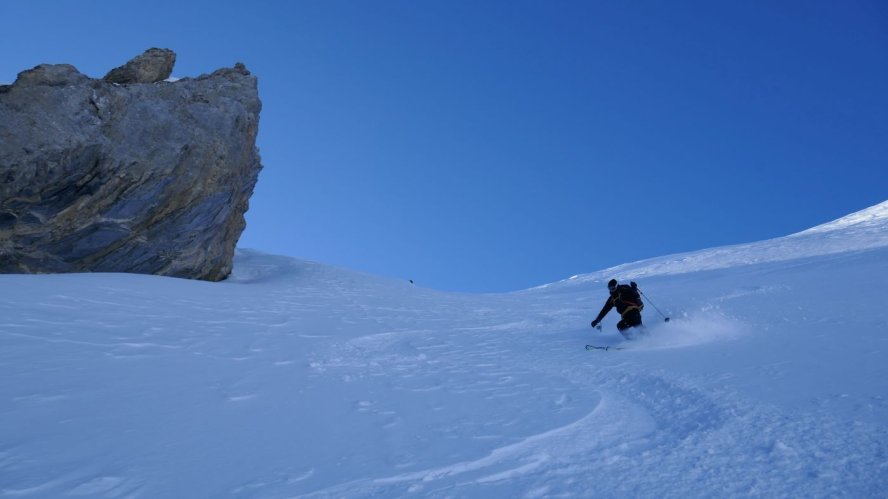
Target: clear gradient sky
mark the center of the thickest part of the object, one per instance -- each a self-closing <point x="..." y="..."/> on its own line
<point x="497" y="145"/>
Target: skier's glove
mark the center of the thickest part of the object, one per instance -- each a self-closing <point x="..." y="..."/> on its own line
<point x="633" y="284"/>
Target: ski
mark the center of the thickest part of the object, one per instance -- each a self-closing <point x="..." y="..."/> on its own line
<point x="605" y="348"/>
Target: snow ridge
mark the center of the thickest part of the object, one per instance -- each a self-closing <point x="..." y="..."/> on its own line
<point x="874" y="218"/>
<point x="860" y="231"/>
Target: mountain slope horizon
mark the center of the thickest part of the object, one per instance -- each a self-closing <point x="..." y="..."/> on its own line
<point x="858" y="231"/>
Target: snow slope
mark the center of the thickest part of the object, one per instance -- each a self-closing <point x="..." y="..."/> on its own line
<point x="296" y="379"/>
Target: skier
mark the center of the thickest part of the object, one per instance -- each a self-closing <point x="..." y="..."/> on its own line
<point x="629" y="305"/>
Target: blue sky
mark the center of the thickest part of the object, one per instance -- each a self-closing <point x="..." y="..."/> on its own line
<point x="497" y="145"/>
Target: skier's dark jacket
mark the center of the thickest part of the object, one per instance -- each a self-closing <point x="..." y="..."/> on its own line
<point x="625" y="298"/>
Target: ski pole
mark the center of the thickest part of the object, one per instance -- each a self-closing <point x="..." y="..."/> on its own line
<point x="652" y="304"/>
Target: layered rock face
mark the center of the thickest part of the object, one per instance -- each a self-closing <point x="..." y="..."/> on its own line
<point x="141" y="176"/>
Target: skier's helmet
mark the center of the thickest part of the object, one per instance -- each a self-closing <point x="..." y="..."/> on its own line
<point x="612" y="285"/>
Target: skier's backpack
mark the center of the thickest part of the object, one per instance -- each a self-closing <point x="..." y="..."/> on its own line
<point x="629" y="295"/>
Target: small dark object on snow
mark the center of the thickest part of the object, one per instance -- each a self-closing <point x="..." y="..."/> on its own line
<point x="604" y="347"/>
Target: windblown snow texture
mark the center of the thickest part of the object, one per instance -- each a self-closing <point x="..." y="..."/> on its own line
<point x="293" y="378"/>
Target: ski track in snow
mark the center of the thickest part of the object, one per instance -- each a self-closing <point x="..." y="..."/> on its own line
<point x="640" y="432"/>
<point x="294" y="379"/>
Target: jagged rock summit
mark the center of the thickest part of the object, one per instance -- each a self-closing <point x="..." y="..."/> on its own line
<point x="129" y="173"/>
<point x="151" y="67"/>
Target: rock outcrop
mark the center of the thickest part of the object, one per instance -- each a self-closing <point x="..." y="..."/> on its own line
<point x="145" y="176"/>
<point x="151" y="67"/>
